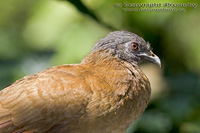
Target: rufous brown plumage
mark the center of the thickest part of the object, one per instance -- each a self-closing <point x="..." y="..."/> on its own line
<point x="105" y="93"/>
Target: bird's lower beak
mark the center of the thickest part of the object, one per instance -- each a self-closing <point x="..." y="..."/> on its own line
<point x="150" y="56"/>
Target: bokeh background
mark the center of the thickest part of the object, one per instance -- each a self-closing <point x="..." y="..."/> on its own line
<point x="35" y="35"/>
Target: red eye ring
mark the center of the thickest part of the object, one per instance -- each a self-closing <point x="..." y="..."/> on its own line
<point x="134" y="46"/>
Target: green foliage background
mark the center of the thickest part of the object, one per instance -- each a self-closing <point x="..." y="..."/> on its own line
<point x="35" y="35"/>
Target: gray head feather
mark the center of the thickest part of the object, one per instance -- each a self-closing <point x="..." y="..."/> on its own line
<point x="120" y="42"/>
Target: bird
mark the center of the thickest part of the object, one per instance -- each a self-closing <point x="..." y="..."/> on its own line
<point x="105" y="93"/>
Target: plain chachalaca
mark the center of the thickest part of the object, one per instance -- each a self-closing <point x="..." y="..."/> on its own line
<point x="105" y="93"/>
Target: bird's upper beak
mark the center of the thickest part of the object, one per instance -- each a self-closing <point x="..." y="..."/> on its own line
<point x="150" y="56"/>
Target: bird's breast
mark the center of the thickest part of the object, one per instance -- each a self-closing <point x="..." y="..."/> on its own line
<point x="121" y="93"/>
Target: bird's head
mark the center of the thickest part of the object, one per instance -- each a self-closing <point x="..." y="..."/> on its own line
<point x="128" y="46"/>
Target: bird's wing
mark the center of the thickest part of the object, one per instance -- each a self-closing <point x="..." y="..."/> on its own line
<point x="44" y="100"/>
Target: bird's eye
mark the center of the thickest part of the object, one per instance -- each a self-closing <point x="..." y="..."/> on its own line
<point x="134" y="45"/>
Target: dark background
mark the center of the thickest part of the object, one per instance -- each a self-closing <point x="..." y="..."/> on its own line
<point x="35" y="35"/>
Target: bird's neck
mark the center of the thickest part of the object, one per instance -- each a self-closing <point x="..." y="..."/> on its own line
<point x="108" y="66"/>
<point x="102" y="58"/>
<point x="99" y="57"/>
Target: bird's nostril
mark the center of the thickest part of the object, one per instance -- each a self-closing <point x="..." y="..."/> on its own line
<point x="152" y="54"/>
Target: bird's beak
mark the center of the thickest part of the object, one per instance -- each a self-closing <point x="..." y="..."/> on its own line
<point x="150" y="56"/>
